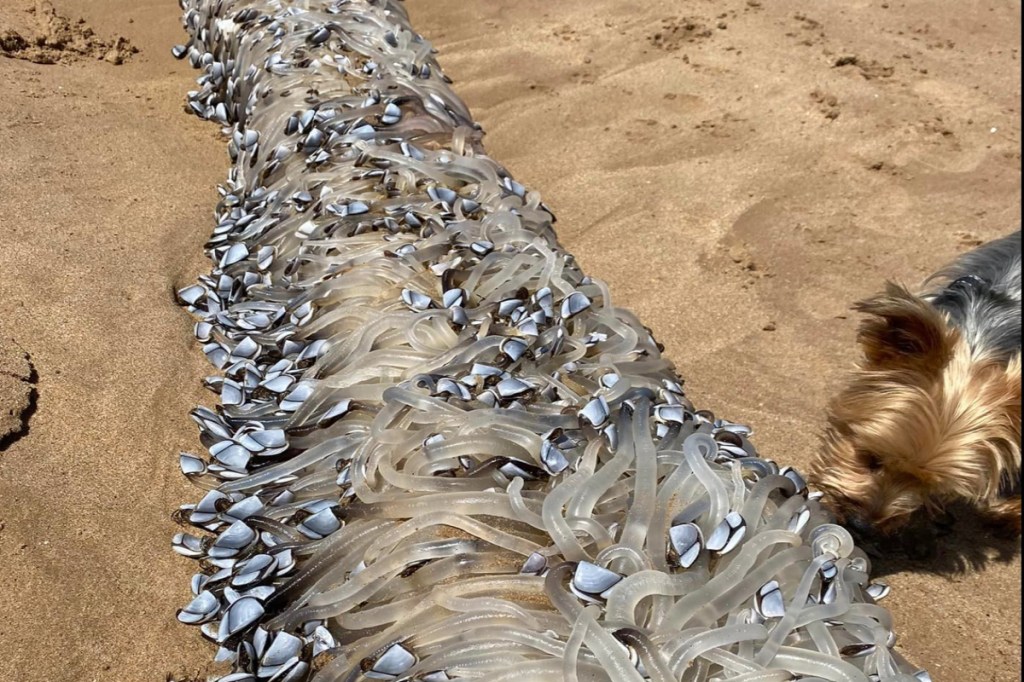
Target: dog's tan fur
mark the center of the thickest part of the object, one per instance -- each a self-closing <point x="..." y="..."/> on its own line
<point x="925" y="420"/>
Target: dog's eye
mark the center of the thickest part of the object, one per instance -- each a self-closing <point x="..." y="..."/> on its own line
<point x="873" y="463"/>
<point x="907" y="347"/>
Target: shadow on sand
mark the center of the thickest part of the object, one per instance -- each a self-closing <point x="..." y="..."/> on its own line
<point x="962" y="541"/>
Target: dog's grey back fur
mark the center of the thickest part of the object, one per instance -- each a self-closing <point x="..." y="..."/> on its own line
<point x="981" y="293"/>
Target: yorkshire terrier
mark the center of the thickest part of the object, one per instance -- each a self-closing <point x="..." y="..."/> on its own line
<point x="932" y="414"/>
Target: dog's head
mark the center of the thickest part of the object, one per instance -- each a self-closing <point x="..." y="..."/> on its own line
<point x="924" y="420"/>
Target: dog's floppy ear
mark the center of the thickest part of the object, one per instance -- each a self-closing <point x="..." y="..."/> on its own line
<point x="974" y="458"/>
<point x="902" y="328"/>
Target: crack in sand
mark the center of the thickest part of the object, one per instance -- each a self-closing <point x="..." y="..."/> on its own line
<point x="16" y="423"/>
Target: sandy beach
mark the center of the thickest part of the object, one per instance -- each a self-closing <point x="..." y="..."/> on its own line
<point x="739" y="172"/>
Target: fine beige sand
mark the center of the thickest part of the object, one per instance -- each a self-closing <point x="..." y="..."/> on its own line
<point x="739" y="171"/>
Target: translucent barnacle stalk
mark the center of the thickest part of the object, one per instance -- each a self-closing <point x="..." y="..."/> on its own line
<point x="832" y="540"/>
<point x="440" y="451"/>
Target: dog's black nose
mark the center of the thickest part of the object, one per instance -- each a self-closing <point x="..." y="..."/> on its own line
<point x="860" y="525"/>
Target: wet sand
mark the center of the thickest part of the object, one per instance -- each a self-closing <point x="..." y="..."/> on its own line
<point x="739" y="171"/>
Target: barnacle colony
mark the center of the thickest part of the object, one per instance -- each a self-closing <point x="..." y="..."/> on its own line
<point x="440" y="453"/>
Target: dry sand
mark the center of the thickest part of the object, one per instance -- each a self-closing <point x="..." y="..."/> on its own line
<point x="738" y="170"/>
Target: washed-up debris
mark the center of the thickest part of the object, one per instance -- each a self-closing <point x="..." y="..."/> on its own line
<point x="440" y="452"/>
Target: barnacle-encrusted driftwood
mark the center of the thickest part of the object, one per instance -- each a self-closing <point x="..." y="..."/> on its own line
<point x="440" y="453"/>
